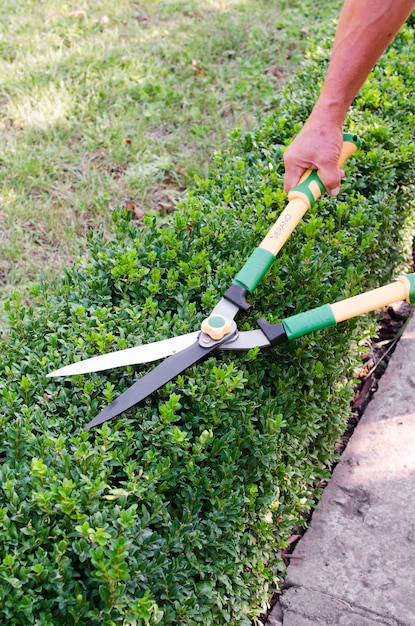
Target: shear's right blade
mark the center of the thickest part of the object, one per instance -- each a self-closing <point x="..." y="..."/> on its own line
<point x="130" y="356"/>
<point x="156" y="378"/>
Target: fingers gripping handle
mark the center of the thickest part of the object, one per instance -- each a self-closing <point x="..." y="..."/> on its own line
<point x="302" y="198"/>
<point x="310" y="186"/>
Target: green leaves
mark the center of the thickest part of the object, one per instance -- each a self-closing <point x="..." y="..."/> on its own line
<point x="177" y="511"/>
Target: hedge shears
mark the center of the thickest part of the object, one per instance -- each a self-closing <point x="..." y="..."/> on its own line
<point x="219" y="330"/>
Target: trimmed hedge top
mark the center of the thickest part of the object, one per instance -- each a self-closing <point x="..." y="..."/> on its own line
<point x="176" y="512"/>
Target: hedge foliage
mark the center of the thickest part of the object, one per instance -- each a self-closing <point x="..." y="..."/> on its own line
<point x="176" y="512"/>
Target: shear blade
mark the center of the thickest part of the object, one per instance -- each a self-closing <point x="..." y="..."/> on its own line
<point x="145" y="386"/>
<point x="155" y="351"/>
<point x="130" y="356"/>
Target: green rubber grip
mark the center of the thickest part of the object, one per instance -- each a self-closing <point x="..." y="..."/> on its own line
<point x="411" y="278"/>
<point x="254" y="269"/>
<point x="352" y="138"/>
<point x="304" y="187"/>
<point x="304" y="323"/>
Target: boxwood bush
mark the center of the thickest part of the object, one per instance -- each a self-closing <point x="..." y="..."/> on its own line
<point x="176" y="512"/>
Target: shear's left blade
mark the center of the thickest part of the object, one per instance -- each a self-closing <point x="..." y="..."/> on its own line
<point x="141" y="354"/>
<point x="145" y="386"/>
<point x="130" y="356"/>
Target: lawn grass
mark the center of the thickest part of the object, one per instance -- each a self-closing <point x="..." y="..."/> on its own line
<point x="108" y="104"/>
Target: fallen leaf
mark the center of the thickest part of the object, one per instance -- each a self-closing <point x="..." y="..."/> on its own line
<point x="136" y="210"/>
<point x="195" y="68"/>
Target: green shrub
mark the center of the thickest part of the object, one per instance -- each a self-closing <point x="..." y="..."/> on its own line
<point x="176" y="512"/>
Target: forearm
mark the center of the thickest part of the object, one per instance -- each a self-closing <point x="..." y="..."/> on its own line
<point x="365" y="29"/>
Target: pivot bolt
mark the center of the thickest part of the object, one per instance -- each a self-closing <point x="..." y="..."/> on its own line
<point x="216" y="326"/>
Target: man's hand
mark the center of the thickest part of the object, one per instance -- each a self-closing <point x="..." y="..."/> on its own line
<point x="317" y="147"/>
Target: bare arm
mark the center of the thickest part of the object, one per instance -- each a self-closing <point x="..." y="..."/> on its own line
<point x="365" y="29"/>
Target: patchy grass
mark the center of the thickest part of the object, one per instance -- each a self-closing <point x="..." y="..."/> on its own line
<point x="107" y="104"/>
